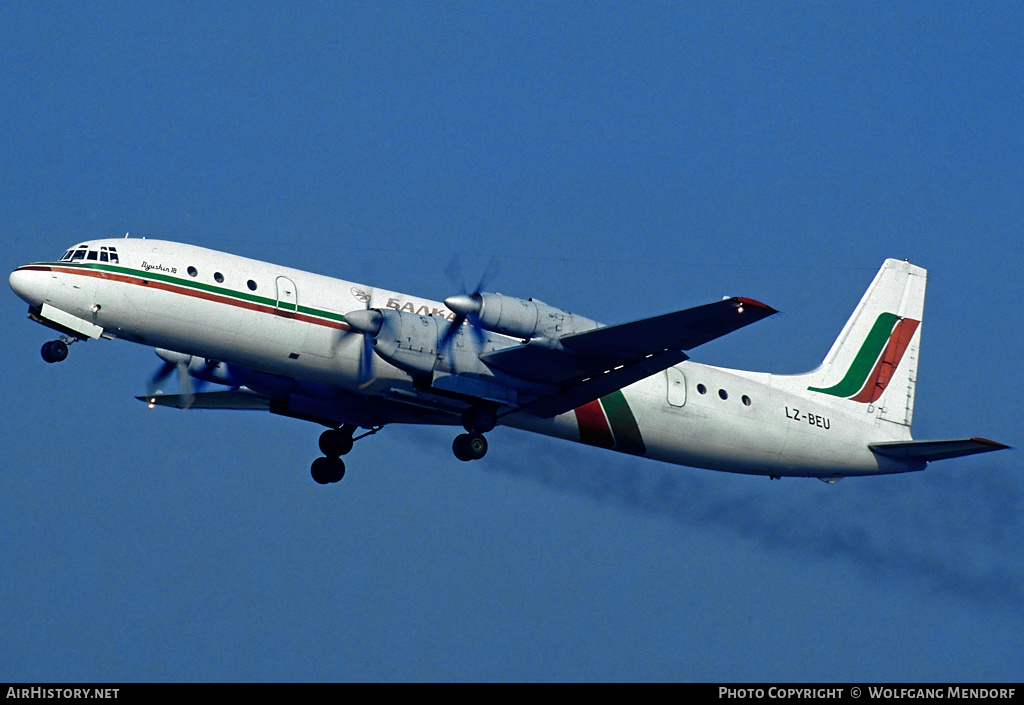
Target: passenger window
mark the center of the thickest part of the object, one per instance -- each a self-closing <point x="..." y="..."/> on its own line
<point x="218" y="277"/>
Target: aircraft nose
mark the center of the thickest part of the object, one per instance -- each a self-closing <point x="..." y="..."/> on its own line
<point x="30" y="284"/>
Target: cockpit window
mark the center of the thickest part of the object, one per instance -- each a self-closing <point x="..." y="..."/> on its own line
<point x="104" y="254"/>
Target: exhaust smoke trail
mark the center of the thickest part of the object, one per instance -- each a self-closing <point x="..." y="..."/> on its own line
<point x="926" y="529"/>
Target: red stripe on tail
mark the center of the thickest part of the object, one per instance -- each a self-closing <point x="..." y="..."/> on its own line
<point x="899" y="341"/>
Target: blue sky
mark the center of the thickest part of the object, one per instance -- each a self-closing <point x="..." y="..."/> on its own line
<point x="619" y="160"/>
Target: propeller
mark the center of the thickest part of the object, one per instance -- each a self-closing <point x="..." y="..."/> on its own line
<point x="165" y="371"/>
<point x="177" y="362"/>
<point x="466" y="305"/>
<point x="367" y="322"/>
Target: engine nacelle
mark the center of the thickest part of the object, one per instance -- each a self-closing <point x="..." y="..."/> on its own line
<point x="519" y="318"/>
<point x="409" y="340"/>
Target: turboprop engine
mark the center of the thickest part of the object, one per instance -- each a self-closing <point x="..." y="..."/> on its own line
<point x="519" y="318"/>
<point x="422" y="345"/>
<point x="409" y="341"/>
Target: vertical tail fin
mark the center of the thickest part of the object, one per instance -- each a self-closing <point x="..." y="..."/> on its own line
<point x="874" y="360"/>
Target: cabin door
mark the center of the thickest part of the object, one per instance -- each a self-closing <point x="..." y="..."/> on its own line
<point x="287" y="296"/>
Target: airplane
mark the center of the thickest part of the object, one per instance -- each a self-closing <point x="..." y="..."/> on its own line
<point x="355" y="359"/>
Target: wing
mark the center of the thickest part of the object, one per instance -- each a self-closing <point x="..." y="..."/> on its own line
<point x="585" y="366"/>
<point x="332" y="410"/>
<point x="224" y="399"/>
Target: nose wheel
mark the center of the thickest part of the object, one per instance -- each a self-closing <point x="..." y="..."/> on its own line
<point x="55" y="351"/>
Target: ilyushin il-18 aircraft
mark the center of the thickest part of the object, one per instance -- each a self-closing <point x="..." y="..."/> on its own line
<point x="355" y="358"/>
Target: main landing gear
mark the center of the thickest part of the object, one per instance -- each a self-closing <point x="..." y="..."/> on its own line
<point x="469" y="446"/>
<point x="477" y="420"/>
<point x="334" y="443"/>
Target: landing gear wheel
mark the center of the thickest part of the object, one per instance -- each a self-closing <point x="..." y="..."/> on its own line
<point x="469" y="446"/>
<point x="336" y="442"/>
<point x="55" y="351"/>
<point x="327" y="470"/>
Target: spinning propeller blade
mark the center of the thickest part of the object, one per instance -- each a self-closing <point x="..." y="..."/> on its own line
<point x="466" y="305"/>
<point x="159" y="376"/>
<point x="185" y="384"/>
<point x="182" y="364"/>
<point x="366" y="361"/>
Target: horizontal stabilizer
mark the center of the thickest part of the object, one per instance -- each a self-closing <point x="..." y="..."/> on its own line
<point x="224" y="399"/>
<point x="935" y="450"/>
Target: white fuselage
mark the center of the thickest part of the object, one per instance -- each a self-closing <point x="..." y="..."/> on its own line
<point x="290" y="323"/>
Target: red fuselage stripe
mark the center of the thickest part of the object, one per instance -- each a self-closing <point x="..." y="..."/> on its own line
<point x="185" y="291"/>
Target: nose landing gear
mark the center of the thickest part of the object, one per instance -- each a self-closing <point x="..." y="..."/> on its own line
<point x="55" y="350"/>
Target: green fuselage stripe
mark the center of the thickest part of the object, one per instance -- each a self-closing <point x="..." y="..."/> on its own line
<point x="862" y="365"/>
<point x="200" y="286"/>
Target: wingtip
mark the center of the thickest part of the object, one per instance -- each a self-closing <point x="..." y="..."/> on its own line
<point x="995" y="444"/>
<point x="754" y="303"/>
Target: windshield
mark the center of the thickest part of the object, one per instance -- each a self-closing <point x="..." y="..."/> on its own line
<point x="94" y="254"/>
